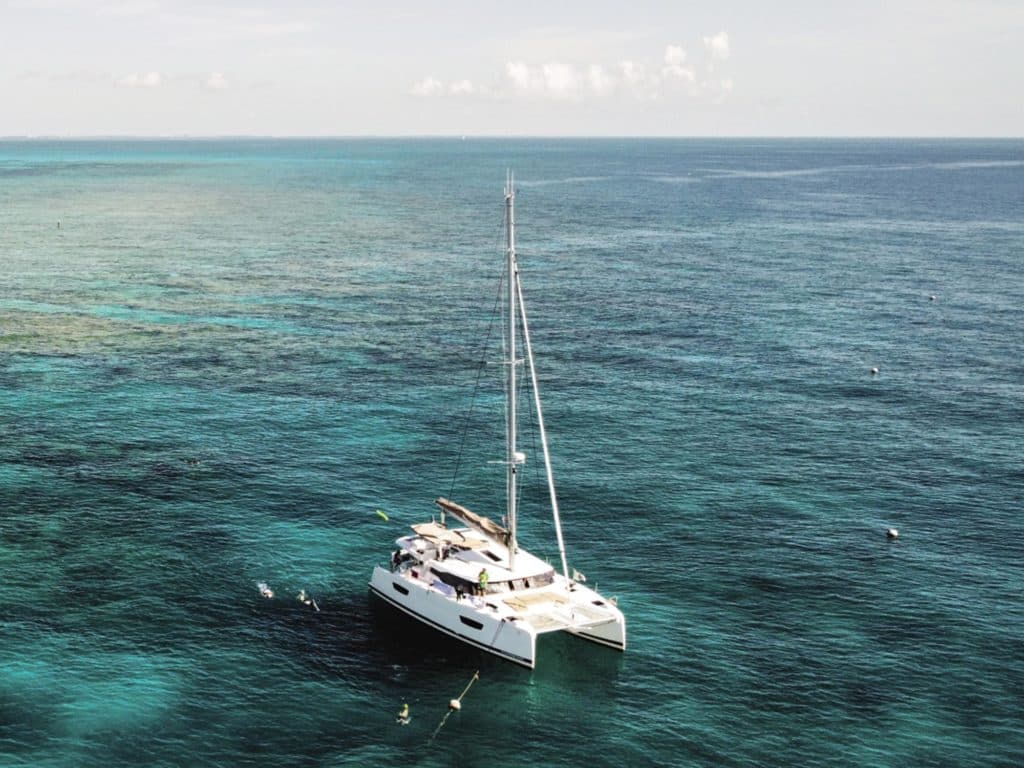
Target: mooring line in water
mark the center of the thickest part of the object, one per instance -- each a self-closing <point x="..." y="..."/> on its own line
<point x="454" y="705"/>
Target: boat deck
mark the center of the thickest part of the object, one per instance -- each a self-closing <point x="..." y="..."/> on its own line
<point x="552" y="610"/>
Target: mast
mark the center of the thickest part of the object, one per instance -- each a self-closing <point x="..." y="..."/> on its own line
<point x="512" y="456"/>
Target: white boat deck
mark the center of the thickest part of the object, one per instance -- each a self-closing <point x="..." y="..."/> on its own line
<point x="556" y="608"/>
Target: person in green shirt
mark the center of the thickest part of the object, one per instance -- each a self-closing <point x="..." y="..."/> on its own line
<point x="482" y="581"/>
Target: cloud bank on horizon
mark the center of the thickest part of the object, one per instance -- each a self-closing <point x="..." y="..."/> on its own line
<point x="644" y="79"/>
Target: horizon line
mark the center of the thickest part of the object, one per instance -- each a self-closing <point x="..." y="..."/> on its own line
<point x="495" y="136"/>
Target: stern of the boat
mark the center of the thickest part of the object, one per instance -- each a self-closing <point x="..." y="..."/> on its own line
<point x="597" y="619"/>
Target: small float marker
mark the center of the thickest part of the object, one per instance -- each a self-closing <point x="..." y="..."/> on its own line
<point x="892" y="533"/>
<point x="382" y="515"/>
<point x="932" y="297"/>
<point x="265" y="590"/>
<point x="874" y="371"/>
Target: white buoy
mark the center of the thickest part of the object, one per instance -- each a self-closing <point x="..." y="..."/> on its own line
<point x="454" y="706"/>
<point x="892" y="533"/>
<point x="932" y="297"/>
<point x="874" y="371"/>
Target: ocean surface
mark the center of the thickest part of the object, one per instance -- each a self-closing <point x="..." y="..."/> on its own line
<point x="220" y="358"/>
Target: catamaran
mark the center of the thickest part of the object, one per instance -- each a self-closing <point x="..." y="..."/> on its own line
<point x="470" y="579"/>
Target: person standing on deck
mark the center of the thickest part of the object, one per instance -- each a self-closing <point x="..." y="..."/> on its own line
<point x="482" y="581"/>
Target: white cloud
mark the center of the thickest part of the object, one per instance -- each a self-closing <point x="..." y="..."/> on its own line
<point x="642" y="78"/>
<point x="136" y="80"/>
<point x="560" y="79"/>
<point x="432" y="86"/>
<point x="630" y="71"/>
<point x="675" y="57"/>
<point x="216" y="81"/>
<point x="600" y="81"/>
<point x="519" y="74"/>
<point x="639" y="80"/>
<point x="428" y="86"/>
<point x="552" y="80"/>
<point x="717" y="46"/>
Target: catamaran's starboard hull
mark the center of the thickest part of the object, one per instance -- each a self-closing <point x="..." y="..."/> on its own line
<point x="512" y="640"/>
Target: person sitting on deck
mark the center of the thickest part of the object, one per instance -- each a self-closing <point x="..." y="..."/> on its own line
<point x="482" y="581"/>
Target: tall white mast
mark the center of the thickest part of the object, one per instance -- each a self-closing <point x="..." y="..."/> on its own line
<point x="512" y="456"/>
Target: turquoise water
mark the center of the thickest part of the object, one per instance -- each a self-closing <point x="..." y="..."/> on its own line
<point x="231" y="353"/>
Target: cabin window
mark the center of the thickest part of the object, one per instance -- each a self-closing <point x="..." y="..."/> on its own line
<point x="491" y="555"/>
<point x="400" y="588"/>
<point x="461" y="585"/>
<point x="471" y="622"/>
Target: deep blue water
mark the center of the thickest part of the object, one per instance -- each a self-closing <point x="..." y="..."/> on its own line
<point x="231" y="353"/>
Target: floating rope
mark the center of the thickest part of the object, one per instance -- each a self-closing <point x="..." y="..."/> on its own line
<point x="454" y="705"/>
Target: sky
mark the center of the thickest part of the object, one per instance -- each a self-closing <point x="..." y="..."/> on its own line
<point x="554" y="68"/>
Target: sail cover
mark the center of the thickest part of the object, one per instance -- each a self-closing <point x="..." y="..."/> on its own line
<point x="483" y="524"/>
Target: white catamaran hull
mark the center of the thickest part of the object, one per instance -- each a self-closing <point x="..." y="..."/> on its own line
<point x="505" y="624"/>
<point x="461" y="618"/>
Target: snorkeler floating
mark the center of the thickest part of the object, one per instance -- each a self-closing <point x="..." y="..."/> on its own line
<point x="303" y="597"/>
<point x="307" y="599"/>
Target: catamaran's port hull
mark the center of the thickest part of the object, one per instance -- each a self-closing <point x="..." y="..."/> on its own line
<point x="512" y="640"/>
<point x="486" y="623"/>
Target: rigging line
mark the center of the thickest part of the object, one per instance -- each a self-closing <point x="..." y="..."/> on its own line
<point x="472" y="400"/>
<point x="531" y="430"/>
<point x="540" y="427"/>
<point x="525" y="391"/>
<point x="480" y="367"/>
